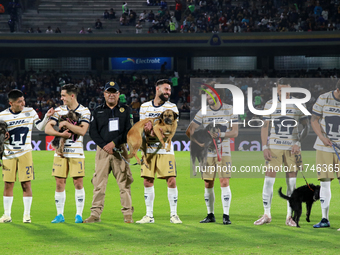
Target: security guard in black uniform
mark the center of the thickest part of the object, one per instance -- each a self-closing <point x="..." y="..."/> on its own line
<point x="109" y="126"/>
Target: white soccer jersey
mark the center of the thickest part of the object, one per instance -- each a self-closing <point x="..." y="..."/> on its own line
<point x="20" y="130"/>
<point x="73" y="149"/>
<point x="328" y="108"/>
<point x="149" y="110"/>
<point x="283" y="134"/>
<point x="222" y="116"/>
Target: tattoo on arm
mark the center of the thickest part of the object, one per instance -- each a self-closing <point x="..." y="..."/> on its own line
<point x="315" y="118"/>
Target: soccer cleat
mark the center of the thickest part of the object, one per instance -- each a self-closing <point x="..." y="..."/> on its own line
<point x="58" y="219"/>
<point x="128" y="219"/>
<point x="5" y="219"/>
<point x="78" y="219"/>
<point x="264" y="219"/>
<point x="226" y="220"/>
<point x="146" y="219"/>
<point x="210" y="218"/>
<point x="26" y="219"/>
<point x="175" y="219"/>
<point x="92" y="219"/>
<point x="324" y="223"/>
<point x="290" y="222"/>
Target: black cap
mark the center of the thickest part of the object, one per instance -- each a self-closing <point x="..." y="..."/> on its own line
<point x="111" y="85"/>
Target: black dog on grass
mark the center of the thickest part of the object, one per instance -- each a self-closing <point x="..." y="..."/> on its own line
<point x="302" y="194"/>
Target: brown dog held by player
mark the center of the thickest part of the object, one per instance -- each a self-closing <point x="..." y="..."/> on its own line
<point x="308" y="194"/>
<point x="3" y="131"/>
<point x="165" y="124"/>
<point x="58" y="142"/>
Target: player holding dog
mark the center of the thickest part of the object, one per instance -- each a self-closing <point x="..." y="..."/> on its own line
<point x="284" y="147"/>
<point x="221" y="157"/>
<point x="73" y="157"/>
<point x="325" y="123"/>
<point x="163" y="162"/>
<point x="17" y="158"/>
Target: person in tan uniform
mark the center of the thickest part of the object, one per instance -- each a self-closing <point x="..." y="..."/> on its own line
<point x="109" y="126"/>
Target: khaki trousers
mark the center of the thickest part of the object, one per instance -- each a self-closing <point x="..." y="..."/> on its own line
<point x="105" y="163"/>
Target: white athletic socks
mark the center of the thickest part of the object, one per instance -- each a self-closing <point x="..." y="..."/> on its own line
<point x="80" y="200"/>
<point x="291" y="184"/>
<point x="60" y="198"/>
<point x="149" y="195"/>
<point x="325" y="197"/>
<point x="8" y="205"/>
<point x="173" y="196"/>
<point x="209" y="197"/>
<point x="267" y="194"/>
<point x="226" y="198"/>
<point x="27" y="205"/>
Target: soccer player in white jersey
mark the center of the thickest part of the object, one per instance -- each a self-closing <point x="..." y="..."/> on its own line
<point x="283" y="147"/>
<point x="222" y="115"/>
<point x="326" y="123"/>
<point x="73" y="156"/>
<point x="17" y="158"/>
<point x="163" y="163"/>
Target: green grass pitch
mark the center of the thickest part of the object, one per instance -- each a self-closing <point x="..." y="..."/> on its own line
<point x="112" y="236"/>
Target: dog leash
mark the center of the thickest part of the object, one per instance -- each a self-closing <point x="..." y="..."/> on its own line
<point x="119" y="152"/>
<point x="306" y="182"/>
<point x="219" y="156"/>
<point x="334" y="145"/>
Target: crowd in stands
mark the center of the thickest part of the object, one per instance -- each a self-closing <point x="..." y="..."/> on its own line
<point x="220" y="16"/>
<point x="206" y="16"/>
<point x="42" y="88"/>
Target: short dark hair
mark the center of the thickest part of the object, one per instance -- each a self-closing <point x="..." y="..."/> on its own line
<point x="283" y="81"/>
<point x="70" y="89"/>
<point x="14" y="94"/>
<point x="163" y="81"/>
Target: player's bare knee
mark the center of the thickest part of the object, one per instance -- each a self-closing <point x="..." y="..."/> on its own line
<point x="224" y="182"/>
<point x="26" y="186"/>
<point x="208" y="184"/>
<point x="148" y="182"/>
<point x="171" y="181"/>
<point x="9" y="186"/>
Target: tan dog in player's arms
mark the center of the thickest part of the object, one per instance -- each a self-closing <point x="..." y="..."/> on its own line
<point x="165" y="124"/>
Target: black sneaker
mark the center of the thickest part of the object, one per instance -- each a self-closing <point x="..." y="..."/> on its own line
<point x="226" y="220"/>
<point x="210" y="218"/>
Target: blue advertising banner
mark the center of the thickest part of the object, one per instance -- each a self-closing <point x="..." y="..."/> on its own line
<point x="133" y="64"/>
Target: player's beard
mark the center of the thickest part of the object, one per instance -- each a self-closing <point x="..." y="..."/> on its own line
<point x="163" y="98"/>
<point x="211" y="102"/>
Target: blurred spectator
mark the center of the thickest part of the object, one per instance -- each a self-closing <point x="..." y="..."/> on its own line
<point x="98" y="24"/>
<point x="185" y="107"/>
<point x="49" y="30"/>
<point x="106" y="14"/>
<point x="132" y="17"/>
<point x="125" y="9"/>
<point x="58" y="31"/>
<point x="11" y="24"/>
<point x="38" y="30"/>
<point x="142" y="16"/>
<point x="82" y="31"/>
<point x="30" y="31"/>
<point x="118" y="31"/>
<point x="89" y="31"/>
<point x="139" y="27"/>
<point x="2" y="9"/>
<point x="92" y="104"/>
<point x="112" y="14"/>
